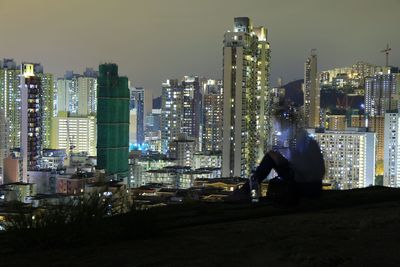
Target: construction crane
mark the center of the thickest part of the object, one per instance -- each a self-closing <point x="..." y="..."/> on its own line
<point x="386" y="51"/>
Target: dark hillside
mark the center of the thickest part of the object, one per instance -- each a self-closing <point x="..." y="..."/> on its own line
<point x="343" y="228"/>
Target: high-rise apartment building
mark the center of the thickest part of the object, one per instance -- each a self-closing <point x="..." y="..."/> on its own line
<point x="31" y="119"/>
<point x="10" y="100"/>
<point x="182" y="150"/>
<point x="246" y="96"/>
<point x="375" y="124"/>
<point x="47" y="83"/>
<point x="136" y="107"/>
<point x="75" y="125"/>
<point x="153" y="131"/>
<point x="26" y="101"/>
<point x="67" y="94"/>
<point x="132" y="128"/>
<point x="335" y="122"/>
<point x="153" y="120"/>
<point x="381" y="93"/>
<point x="171" y="111"/>
<point x="87" y="94"/>
<point x="311" y="92"/>
<point x="192" y="108"/>
<point x="112" y="121"/>
<point x="212" y="116"/>
<point x="75" y="134"/>
<point x="391" y="161"/>
<point x="76" y="94"/>
<point x="349" y="157"/>
<point x="4" y="151"/>
<point x="181" y="109"/>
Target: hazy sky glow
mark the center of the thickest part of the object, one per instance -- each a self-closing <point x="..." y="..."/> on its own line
<point x="153" y="40"/>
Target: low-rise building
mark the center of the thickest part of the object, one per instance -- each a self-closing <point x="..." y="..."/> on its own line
<point x="21" y="192"/>
<point x="53" y="159"/>
<point x="207" y="160"/>
<point x="45" y="180"/>
<point x="11" y="171"/>
<point x="74" y="184"/>
<point x="182" y="149"/>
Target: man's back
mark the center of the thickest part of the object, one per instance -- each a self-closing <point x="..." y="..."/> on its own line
<point x="307" y="160"/>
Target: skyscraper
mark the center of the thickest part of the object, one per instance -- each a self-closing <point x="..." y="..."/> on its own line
<point x="4" y="151"/>
<point x="112" y="121"/>
<point x="381" y="93"/>
<point x="67" y="94"/>
<point x="375" y="124"/>
<point x="192" y="111"/>
<point x="31" y="119"/>
<point x="247" y="100"/>
<point x="311" y="92"/>
<point x="137" y="107"/>
<point x="74" y="128"/>
<point x="10" y="100"/>
<point x="26" y="101"/>
<point x="47" y="83"/>
<point x="171" y="111"/>
<point x="391" y="160"/>
<point x="87" y="94"/>
<point x="181" y="109"/>
<point x="212" y="112"/>
<point x="76" y="94"/>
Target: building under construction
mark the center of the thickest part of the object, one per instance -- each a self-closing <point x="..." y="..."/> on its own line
<point x="112" y="121"/>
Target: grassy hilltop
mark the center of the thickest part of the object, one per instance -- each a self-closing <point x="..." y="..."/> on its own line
<point x="342" y="228"/>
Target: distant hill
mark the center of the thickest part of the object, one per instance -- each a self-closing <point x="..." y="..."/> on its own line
<point x="329" y="98"/>
<point x="335" y="99"/>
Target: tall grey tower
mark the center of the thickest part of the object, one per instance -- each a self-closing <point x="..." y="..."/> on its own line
<point x="311" y="92"/>
<point x="246" y="97"/>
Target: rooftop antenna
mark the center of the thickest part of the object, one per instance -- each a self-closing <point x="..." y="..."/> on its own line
<point x="386" y="51"/>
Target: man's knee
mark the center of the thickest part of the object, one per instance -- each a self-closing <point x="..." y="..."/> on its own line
<point x="277" y="158"/>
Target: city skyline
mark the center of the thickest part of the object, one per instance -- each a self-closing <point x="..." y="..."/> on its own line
<point x="64" y="33"/>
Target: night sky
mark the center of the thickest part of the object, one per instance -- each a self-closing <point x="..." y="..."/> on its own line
<point x="153" y="40"/>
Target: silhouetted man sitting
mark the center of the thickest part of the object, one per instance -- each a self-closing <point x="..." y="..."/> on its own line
<point x="297" y="160"/>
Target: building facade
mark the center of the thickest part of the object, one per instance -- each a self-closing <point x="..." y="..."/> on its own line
<point x="212" y="112"/>
<point x="180" y="110"/>
<point x="375" y="124"/>
<point x="136" y="107"/>
<point x="75" y="134"/>
<point x="381" y="93"/>
<point x="112" y="121"/>
<point x="335" y="122"/>
<point x="349" y="157"/>
<point x="10" y="100"/>
<point x="391" y="161"/>
<point x="311" y="92"/>
<point x="246" y="98"/>
<point x="77" y="94"/>
<point x="4" y="150"/>
<point x="33" y="130"/>
<point x="182" y="150"/>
